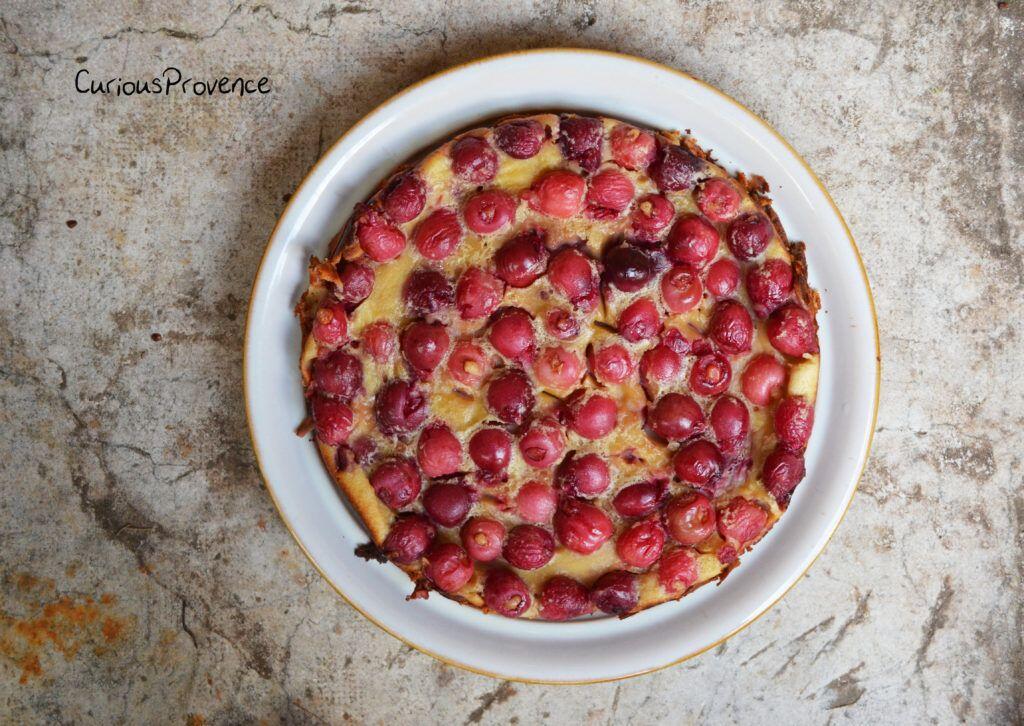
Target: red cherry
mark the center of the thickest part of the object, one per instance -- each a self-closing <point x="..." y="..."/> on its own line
<point x="448" y="566"/>
<point x="356" y="283"/>
<point x="520" y="139"/>
<point x="763" y="378"/>
<point x="380" y="240"/>
<point x="675" y="340"/>
<point x="677" y="570"/>
<point x="582" y="527"/>
<point x="447" y="504"/>
<point x="768" y="285"/>
<point x="528" y="547"/>
<point x="474" y="160"/>
<point x="781" y="472"/>
<point x="563" y="598"/>
<point x="379" y="340"/>
<point x="731" y="327"/>
<point x="511" y="334"/>
<point x="722" y="278"/>
<point x="332" y="420"/>
<point x="438" y="235"/>
<point x="676" y="417"/>
<point x="583" y="476"/>
<point x="579" y="138"/>
<point x="730" y="421"/>
<point x="741" y="521"/>
<point x="792" y="331"/>
<point x="627" y="268"/>
<point x="573" y="274"/>
<point x="611" y="364"/>
<point x="718" y="200"/>
<point x="675" y="169"/>
<point x="491" y="449"/>
<point x="522" y="259"/>
<point x="424" y="346"/>
<point x="591" y="415"/>
<point x="396" y="482"/>
<point x="698" y="462"/>
<point x="693" y="240"/>
<point x="468" y="364"/>
<point x="330" y="324"/>
<point x="338" y="374"/>
<point x="610" y="190"/>
<point x="561" y="324"/>
<point x="410" y="536"/>
<point x="660" y="365"/>
<point x="557" y="193"/>
<point x="505" y="593"/>
<point x="558" y="368"/>
<point x="749" y="235"/>
<point x="632" y="148"/>
<point x="489" y="211"/>
<point x="616" y="592"/>
<point x="483" y="538"/>
<point x="400" y="408"/>
<point x="794" y="418"/>
<point x="639" y="321"/>
<point x="690" y="518"/>
<point x="640" y="545"/>
<point x="478" y="294"/>
<point x="404" y="198"/>
<point x="710" y="375"/>
<point x="510" y="397"/>
<point x="652" y="214"/>
<point x="681" y="288"/>
<point x="536" y="502"/>
<point x="641" y="499"/>
<point x="427" y="291"/>
<point x="438" y="452"/>
<point x="543" y="443"/>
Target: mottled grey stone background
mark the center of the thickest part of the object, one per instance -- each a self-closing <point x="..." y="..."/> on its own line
<point x="146" y="576"/>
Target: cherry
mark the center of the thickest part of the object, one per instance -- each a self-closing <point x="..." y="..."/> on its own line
<point x="718" y="200"/>
<point x="681" y="345"/>
<point x="448" y="566"/>
<point x="690" y="518"/>
<point x="632" y="148"/>
<point x="558" y="368"/>
<point x="583" y="476"/>
<point x="536" y="502"/>
<point x="438" y="452"/>
<point x="427" y="291"/>
<point x="676" y="417"/>
<point x="611" y="364"/>
<point x="768" y="285"/>
<point x="543" y="443"/>
<point x="519" y="139"/>
<point x="409" y="538"/>
<point x="591" y="415"/>
<point x="730" y="421"/>
<point x="424" y="346"/>
<point x="438" y="235"/>
<point x="483" y="538"/>
<point x="579" y="138"/>
<point x="522" y="259"/>
<point x="478" y="293"/>
<point x="491" y="449"/>
<point x="792" y="331"/>
<point x="731" y="327"/>
<point x="741" y="521"/>
<point x="749" y="235"/>
<point x="380" y="340"/>
<point x="528" y="547"/>
<point x="511" y="334"/>
<point x="698" y="462"/>
<point x="781" y="472"/>
<point x="639" y="321"/>
<point x="379" y="239"/>
<point x="356" y="283"/>
<point x="652" y="214"/>
<point x="400" y="408"/>
<point x="338" y="374"/>
<point x="474" y="160"/>
<point x="330" y="324"/>
<point x="627" y="268"/>
<point x="660" y="365"/>
<point x="557" y="193"/>
<point x="694" y="240"/>
<point x="640" y="545"/>
<point x="763" y="378"/>
<point x="641" y="499"/>
<point x="447" y="504"/>
<point x="563" y="598"/>
<point x="404" y="198"/>
<point x="332" y="420"/>
<point x="489" y="211"/>
<point x="572" y="274"/>
<point x="794" y="418"/>
<point x="396" y="482"/>
<point x="677" y="570"/>
<point x="710" y="375"/>
<point x="505" y="593"/>
<point x="616" y="592"/>
<point x="722" y="278"/>
<point x="675" y="169"/>
<point x="611" y="191"/>
<point x="681" y="288"/>
<point x="561" y="324"/>
<point x="510" y="397"/>
<point x="581" y="527"/>
<point x="468" y="364"/>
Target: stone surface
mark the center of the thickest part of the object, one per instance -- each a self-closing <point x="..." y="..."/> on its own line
<point x="145" y="574"/>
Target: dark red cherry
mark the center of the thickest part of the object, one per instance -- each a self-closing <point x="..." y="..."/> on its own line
<point x="409" y="538"/>
<point x="511" y="334"/>
<point x="505" y="593"/>
<point x="427" y="291"/>
<point x="448" y="566"/>
<point x="447" y="504"/>
<point x="731" y="327"/>
<point x="404" y="198"/>
<point x="332" y="420"/>
<point x="563" y="598"/>
<point x="693" y="240"/>
<point x="698" y="462"/>
<point x="794" y="418"/>
<point x="722" y="278"/>
<point x="573" y="274"/>
<point x="510" y="397"/>
<point x="478" y="294"/>
<point x="473" y="160"/>
<point x="641" y="499"/>
<point x="355" y="283"/>
<point x="380" y="240"/>
<point x="781" y="472"/>
<point x="676" y="417"/>
<point x="528" y="547"/>
<point x="522" y="259"/>
<point x="579" y="138"/>
<point x="690" y="518"/>
<point x="437" y="236"/>
<point x="491" y="449"/>
<point x="582" y="527"/>
<point x="616" y="592"/>
<point x="627" y="268"/>
<point x="710" y="375"/>
<point x="640" y="544"/>
<point x="330" y="324"/>
<point x="749" y="235"/>
<point x="585" y="476"/>
<point x="792" y="331"/>
<point x="730" y="421"/>
<point x="520" y="139"/>
<point x="400" y="408"/>
<point x="639" y="321"/>
<point x="396" y="482"/>
<point x="424" y="346"/>
<point x="675" y="169"/>
<point x="438" y="452"/>
<point x="338" y="374"/>
<point x="768" y="285"/>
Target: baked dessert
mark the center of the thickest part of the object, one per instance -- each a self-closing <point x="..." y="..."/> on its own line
<point x="562" y="364"/>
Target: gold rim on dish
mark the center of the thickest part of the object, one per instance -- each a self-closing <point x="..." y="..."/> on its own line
<point x="814" y="178"/>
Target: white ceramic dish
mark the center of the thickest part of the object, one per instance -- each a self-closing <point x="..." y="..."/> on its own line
<point x="426" y="114"/>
